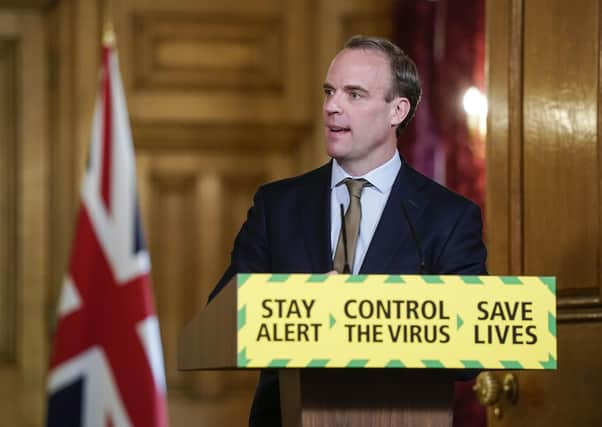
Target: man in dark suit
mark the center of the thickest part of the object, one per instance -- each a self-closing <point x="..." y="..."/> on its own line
<point x="400" y="222"/>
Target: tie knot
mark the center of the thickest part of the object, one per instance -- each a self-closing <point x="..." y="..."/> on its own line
<point x="355" y="186"/>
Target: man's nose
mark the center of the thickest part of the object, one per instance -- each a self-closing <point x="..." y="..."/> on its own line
<point x="332" y="104"/>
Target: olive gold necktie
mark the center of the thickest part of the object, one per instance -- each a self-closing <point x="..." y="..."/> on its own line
<point x="351" y="226"/>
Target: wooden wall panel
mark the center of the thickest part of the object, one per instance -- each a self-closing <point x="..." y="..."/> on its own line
<point x="24" y="176"/>
<point x="9" y="375"/>
<point x="64" y="152"/>
<point x="197" y="201"/>
<point x="220" y="62"/>
<point x="33" y="209"/>
<point x="8" y="200"/>
<point x="205" y="52"/>
<point x="172" y="251"/>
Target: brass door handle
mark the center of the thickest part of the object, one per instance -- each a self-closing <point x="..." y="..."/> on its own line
<point x="491" y="392"/>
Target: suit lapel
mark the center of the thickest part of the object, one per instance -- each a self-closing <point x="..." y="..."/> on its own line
<point x="314" y="206"/>
<point x="392" y="231"/>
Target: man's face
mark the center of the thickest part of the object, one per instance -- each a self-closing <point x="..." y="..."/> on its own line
<point x="359" y="123"/>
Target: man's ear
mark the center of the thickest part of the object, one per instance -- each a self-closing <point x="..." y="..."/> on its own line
<point x="401" y="110"/>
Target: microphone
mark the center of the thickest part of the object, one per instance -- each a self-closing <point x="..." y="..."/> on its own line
<point x="346" y="269"/>
<point x="422" y="268"/>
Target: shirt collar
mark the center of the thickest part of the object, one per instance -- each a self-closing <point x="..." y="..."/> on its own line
<point x="381" y="178"/>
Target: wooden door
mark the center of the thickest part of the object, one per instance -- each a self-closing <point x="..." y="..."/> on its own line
<point x="544" y="190"/>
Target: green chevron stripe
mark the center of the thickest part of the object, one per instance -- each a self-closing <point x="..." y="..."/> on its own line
<point x="357" y="363"/>
<point x="550" y="283"/>
<point x="278" y="363"/>
<point x="550" y="363"/>
<point x="242" y="317"/>
<point x="395" y="363"/>
<point x="332" y="320"/>
<point x="394" y="279"/>
<point x="511" y="364"/>
<point x="317" y="278"/>
<point x="242" y="279"/>
<point x="278" y="278"/>
<point x="432" y="363"/>
<point x="511" y="280"/>
<point x="472" y="364"/>
<point x="472" y="280"/>
<point x="318" y="363"/>
<point x="433" y="280"/>
<point x="459" y="322"/>
<point x="242" y="358"/>
<point x="552" y="323"/>
<point x="356" y="278"/>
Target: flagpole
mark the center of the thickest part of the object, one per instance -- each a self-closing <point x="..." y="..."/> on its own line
<point x="108" y="35"/>
<point x="108" y="32"/>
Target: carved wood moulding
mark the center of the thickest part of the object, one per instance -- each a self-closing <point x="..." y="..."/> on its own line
<point x="225" y="52"/>
<point x="239" y="136"/>
<point x="579" y="306"/>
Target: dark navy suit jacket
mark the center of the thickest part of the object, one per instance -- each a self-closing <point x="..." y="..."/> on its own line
<point x="288" y="231"/>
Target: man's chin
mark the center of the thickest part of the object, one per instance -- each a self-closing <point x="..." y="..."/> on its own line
<point x="336" y="150"/>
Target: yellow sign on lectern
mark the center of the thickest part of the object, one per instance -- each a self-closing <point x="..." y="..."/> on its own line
<point x="380" y="321"/>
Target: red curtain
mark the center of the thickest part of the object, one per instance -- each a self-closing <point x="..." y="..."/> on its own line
<point x="446" y="40"/>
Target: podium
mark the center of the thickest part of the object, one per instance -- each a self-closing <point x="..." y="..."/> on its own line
<point x="319" y="387"/>
<point x="365" y="397"/>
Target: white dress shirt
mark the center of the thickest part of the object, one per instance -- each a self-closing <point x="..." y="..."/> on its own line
<point x="373" y="200"/>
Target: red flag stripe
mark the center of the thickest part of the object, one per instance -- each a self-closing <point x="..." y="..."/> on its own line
<point x="107" y="131"/>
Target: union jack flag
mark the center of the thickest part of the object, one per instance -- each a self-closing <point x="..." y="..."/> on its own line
<point x="107" y="363"/>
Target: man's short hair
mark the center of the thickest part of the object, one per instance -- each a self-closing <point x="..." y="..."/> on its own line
<point x="405" y="81"/>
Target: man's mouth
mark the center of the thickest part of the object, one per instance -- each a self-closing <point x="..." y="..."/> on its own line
<point x="338" y="129"/>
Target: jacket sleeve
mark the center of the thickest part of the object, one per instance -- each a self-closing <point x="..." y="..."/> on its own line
<point x="464" y="251"/>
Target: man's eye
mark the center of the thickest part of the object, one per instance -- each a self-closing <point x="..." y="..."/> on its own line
<point x="355" y="95"/>
<point x="328" y="91"/>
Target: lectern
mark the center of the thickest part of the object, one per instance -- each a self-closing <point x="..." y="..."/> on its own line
<point x="376" y="350"/>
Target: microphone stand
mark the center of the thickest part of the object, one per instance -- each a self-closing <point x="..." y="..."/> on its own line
<point x="422" y="268"/>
